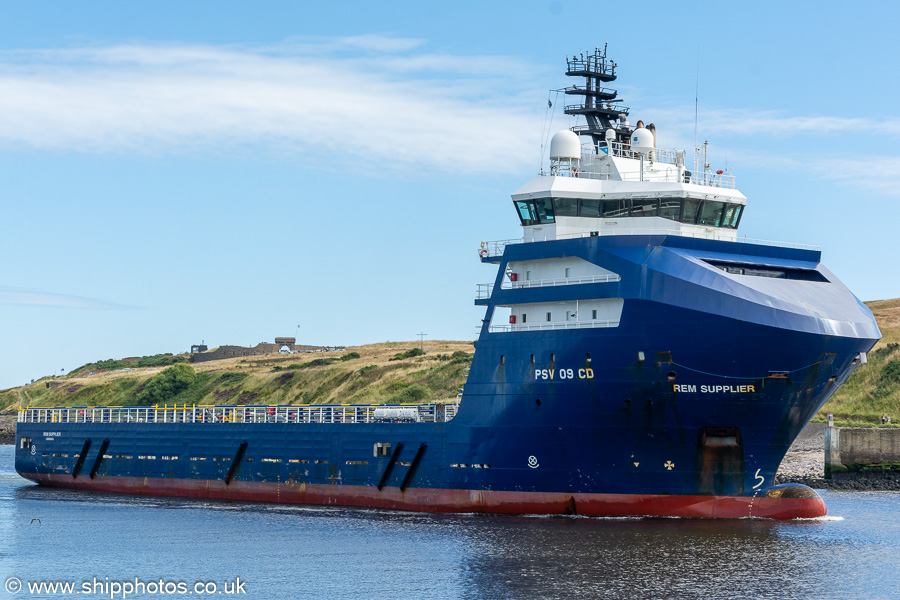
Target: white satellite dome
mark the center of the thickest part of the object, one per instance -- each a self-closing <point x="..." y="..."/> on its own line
<point x="565" y="146"/>
<point x="642" y="140"/>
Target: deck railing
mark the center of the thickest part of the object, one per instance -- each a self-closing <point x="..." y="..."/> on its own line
<point x="549" y="326"/>
<point x="484" y="290"/>
<point x="326" y="413"/>
<point x="496" y="248"/>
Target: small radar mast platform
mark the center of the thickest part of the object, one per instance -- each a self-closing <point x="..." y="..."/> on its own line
<point x="601" y="108"/>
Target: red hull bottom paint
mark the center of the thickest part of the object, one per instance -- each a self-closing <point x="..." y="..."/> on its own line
<point x="455" y="501"/>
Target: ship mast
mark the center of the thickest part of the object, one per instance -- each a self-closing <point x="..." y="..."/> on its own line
<point x="600" y="108"/>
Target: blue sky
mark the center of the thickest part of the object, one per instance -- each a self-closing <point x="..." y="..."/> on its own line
<point x="172" y="172"/>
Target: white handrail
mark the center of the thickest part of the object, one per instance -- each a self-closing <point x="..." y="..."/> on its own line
<point x="484" y="290"/>
<point x="327" y="413"/>
<point x="550" y="326"/>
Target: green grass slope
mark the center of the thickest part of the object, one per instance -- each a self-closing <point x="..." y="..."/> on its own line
<point x="874" y="388"/>
<point x="380" y="373"/>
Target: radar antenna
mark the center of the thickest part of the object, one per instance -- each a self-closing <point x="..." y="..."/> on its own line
<point x="600" y="108"/>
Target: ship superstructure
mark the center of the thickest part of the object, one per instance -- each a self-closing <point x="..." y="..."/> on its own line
<point x="636" y="358"/>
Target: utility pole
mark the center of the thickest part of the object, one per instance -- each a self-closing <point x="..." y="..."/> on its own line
<point x="421" y="340"/>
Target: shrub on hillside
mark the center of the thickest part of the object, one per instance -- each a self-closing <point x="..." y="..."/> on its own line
<point x="396" y="386"/>
<point x="410" y="394"/>
<point x="412" y="352"/>
<point x="112" y="364"/>
<point x="319" y="362"/>
<point x="885" y="351"/>
<point x="890" y="373"/>
<point x="166" y="385"/>
<point x="350" y="356"/>
<point x="159" y="360"/>
<point x="460" y="356"/>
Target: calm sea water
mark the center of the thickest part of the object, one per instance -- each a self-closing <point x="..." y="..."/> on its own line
<point x="299" y="552"/>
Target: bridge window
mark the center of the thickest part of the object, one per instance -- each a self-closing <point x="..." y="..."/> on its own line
<point x="732" y="216"/>
<point x="616" y="208"/>
<point x="527" y="213"/>
<point x="691" y="208"/>
<point x="534" y="212"/>
<point x="644" y="207"/>
<point x="545" y="210"/>
<point x="711" y="213"/>
<point x="670" y="208"/>
<point x="589" y="208"/>
<point x="566" y="207"/>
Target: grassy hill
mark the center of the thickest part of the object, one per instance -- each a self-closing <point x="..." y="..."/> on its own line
<point x="874" y="388"/>
<point x="378" y="373"/>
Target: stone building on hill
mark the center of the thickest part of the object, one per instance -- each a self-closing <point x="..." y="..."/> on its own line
<point x="223" y="352"/>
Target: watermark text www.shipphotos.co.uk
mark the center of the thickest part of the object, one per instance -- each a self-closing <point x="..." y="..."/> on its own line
<point x="124" y="588"/>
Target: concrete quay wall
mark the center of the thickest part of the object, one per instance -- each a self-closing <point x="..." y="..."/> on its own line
<point x="861" y="449"/>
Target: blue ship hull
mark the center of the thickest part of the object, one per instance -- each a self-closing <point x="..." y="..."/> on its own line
<point x="685" y="408"/>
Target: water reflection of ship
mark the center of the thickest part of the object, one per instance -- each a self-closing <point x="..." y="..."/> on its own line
<point x="646" y="558"/>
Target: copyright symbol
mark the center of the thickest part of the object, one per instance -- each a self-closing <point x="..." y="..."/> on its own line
<point x="13" y="585"/>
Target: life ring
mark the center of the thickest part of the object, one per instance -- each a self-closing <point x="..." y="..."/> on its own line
<point x="483" y="253"/>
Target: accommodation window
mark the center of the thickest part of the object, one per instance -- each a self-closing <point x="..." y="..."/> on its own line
<point x="571" y="316"/>
<point x="528" y="275"/>
<point x="567" y="272"/>
<point x="524" y="318"/>
<point x="594" y="314"/>
<point x="548" y="317"/>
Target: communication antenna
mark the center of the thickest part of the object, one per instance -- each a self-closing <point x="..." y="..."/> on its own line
<point x="697" y="96"/>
